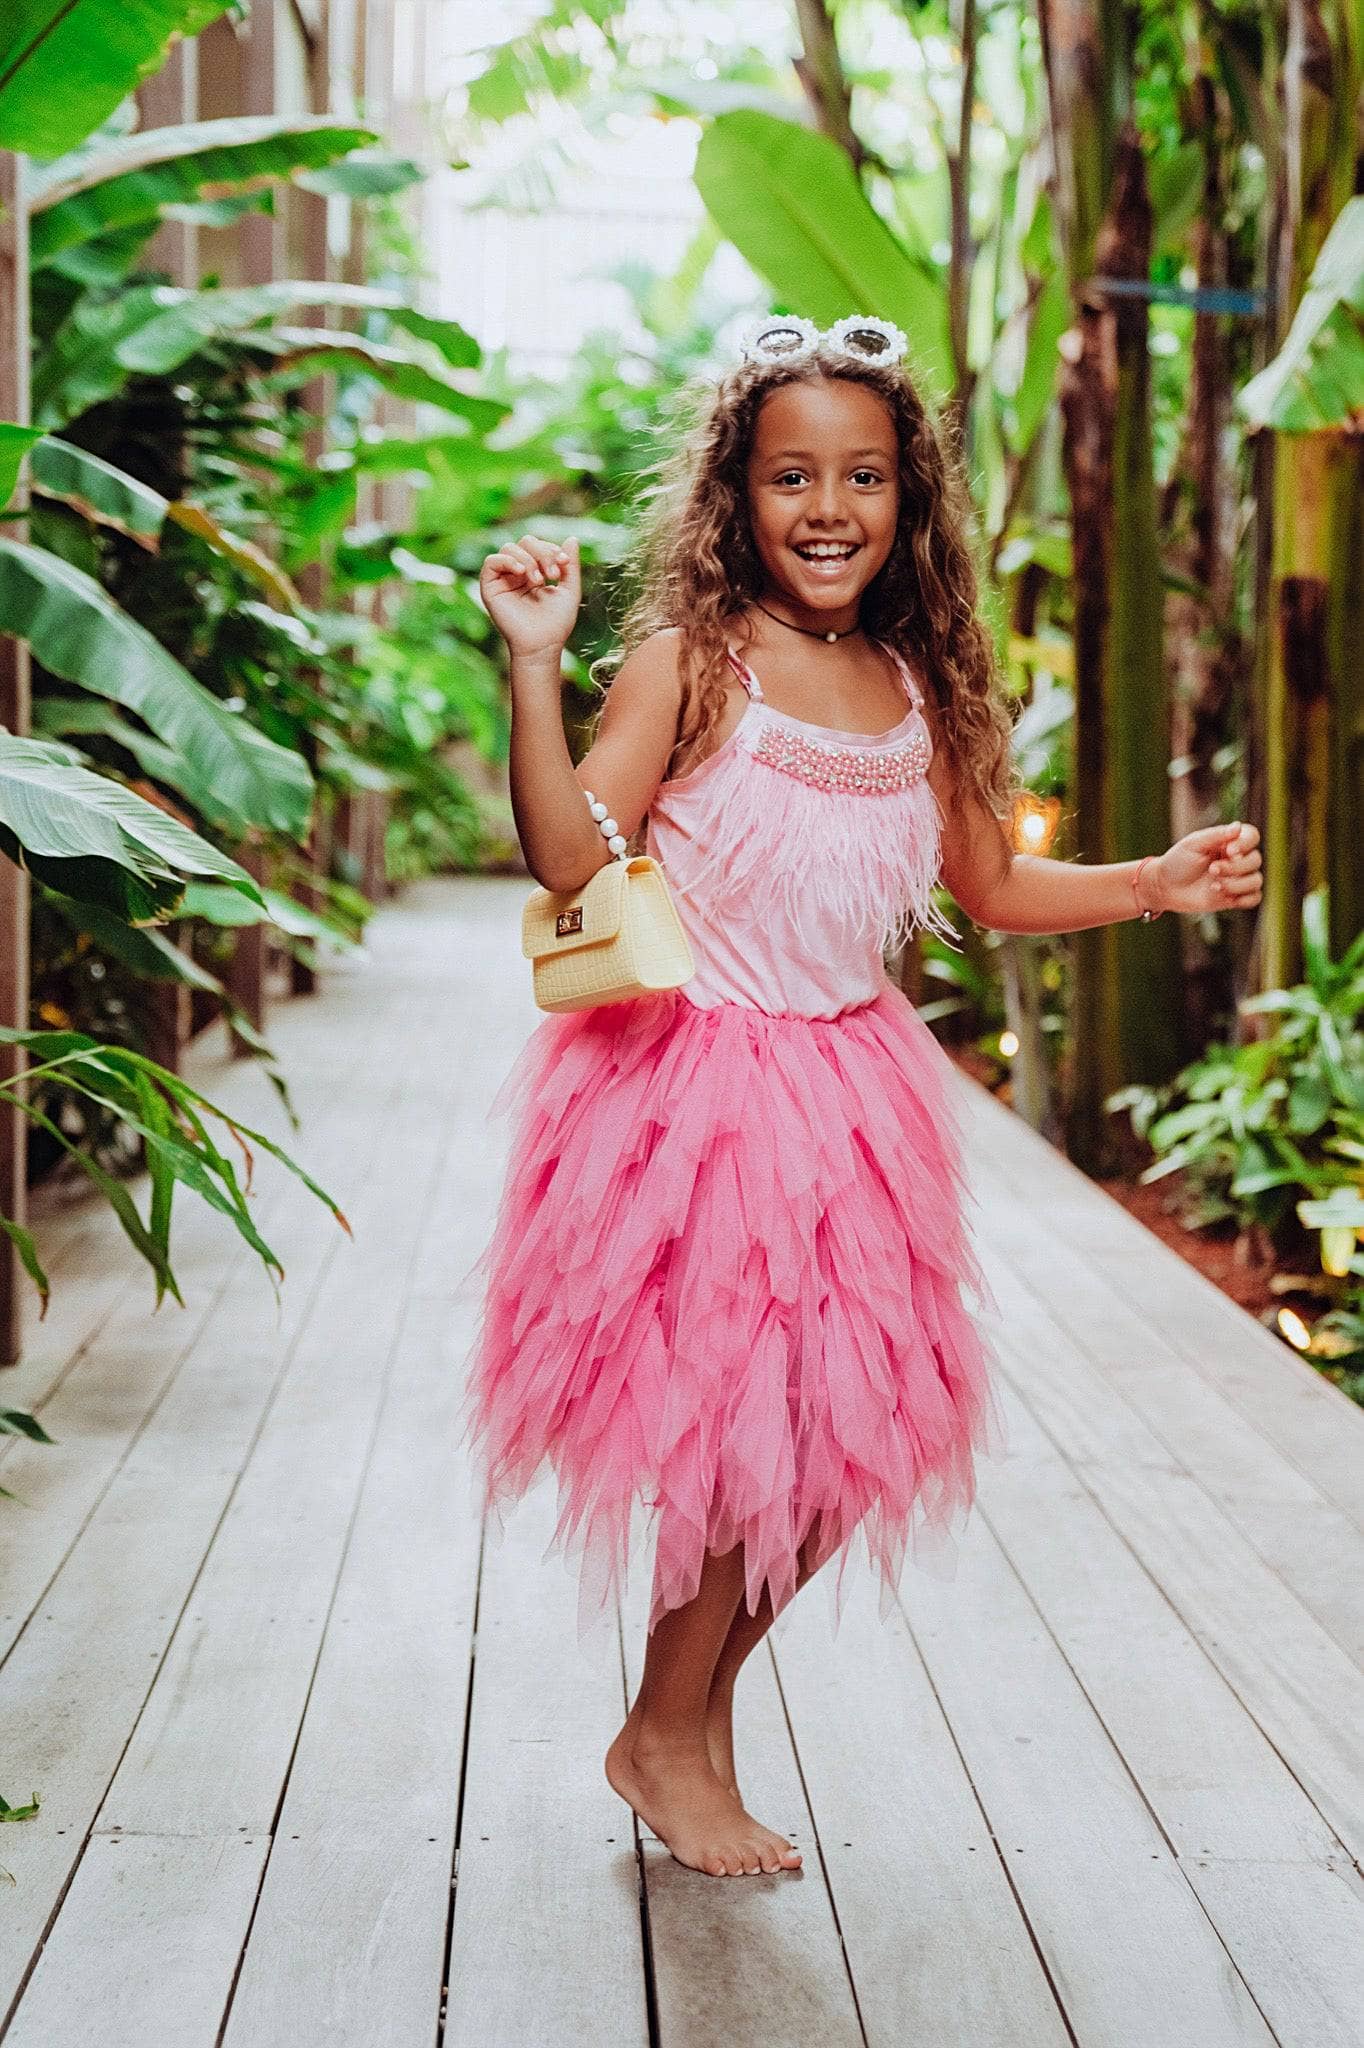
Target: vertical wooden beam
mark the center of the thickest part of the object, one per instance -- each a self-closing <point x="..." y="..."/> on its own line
<point x="165" y="100"/>
<point x="261" y="245"/>
<point x="14" y="715"/>
<point x="312" y="212"/>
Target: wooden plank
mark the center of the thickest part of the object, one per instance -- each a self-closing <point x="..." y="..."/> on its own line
<point x="97" y="1407"/>
<point x="1216" y="1785"/>
<point x="348" y="1940"/>
<point x="1123" y="1936"/>
<point x="1298" y="1937"/>
<point x="546" y="1936"/>
<point x="363" y="1959"/>
<point x="124" y="1583"/>
<point x="1316" y="1549"/>
<point x="758" y="1957"/>
<point x="137" y="1963"/>
<point x="918" y="1882"/>
<point x="1302" y="1688"/>
<point x="1310" y="1421"/>
<point x="212" y="1757"/>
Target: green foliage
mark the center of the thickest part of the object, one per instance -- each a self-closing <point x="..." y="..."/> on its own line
<point x="789" y="199"/>
<point x="171" y="1119"/>
<point x="93" y="839"/>
<point x="66" y="64"/>
<point x="1271" y="1132"/>
<point x="85" y="638"/>
<point x="130" y="184"/>
<point x="1316" y="381"/>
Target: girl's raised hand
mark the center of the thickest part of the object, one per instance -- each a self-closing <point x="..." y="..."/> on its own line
<point x="532" y="589"/>
<point x="1217" y="868"/>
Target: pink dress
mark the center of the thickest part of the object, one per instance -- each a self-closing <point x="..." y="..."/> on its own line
<point x="726" y="1276"/>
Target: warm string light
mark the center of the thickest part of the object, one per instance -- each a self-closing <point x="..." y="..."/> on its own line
<point x="1295" y="1329"/>
<point x="1008" y="1044"/>
<point x="1035" y="822"/>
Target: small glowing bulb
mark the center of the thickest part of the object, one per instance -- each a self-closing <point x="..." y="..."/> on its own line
<point x="1033" y="826"/>
<point x="1295" y="1329"/>
<point x="1008" y="1043"/>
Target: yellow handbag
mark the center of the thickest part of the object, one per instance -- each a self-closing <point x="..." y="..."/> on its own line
<point x="619" y="936"/>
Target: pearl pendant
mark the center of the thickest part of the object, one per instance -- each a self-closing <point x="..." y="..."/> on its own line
<point x="831" y="636"/>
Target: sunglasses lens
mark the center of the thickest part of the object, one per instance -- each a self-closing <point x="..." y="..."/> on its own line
<point x="865" y="341"/>
<point x="780" y="341"/>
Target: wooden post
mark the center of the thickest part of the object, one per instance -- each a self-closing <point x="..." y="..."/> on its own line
<point x="261" y="241"/>
<point x="167" y="99"/>
<point x="14" y="715"/>
<point x="312" y="210"/>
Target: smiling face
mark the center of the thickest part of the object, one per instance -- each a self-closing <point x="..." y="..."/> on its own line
<point x="823" y="495"/>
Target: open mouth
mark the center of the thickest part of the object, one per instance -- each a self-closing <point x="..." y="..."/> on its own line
<point x="827" y="555"/>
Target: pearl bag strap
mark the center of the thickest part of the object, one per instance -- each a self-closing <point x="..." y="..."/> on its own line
<point x="607" y="826"/>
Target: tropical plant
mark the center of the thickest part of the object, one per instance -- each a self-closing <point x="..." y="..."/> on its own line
<point x="1270" y="1133"/>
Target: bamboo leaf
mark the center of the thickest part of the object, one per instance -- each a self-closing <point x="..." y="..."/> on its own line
<point x="83" y="637"/>
<point x="1316" y="381"/>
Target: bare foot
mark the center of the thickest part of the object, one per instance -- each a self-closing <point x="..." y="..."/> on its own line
<point x="674" y="1790"/>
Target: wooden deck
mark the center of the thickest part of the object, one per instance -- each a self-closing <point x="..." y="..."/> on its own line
<point x="1106" y="1788"/>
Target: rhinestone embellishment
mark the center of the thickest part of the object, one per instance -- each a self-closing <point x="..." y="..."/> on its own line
<point x="865" y="770"/>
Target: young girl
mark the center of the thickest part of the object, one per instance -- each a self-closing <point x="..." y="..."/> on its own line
<point x="726" y="1276"/>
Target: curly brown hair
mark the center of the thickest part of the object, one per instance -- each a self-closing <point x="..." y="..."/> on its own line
<point x="695" y="565"/>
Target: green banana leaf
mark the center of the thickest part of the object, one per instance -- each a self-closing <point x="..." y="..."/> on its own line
<point x="412" y="371"/>
<point x="160" y="167"/>
<point x="94" y="839"/>
<point x="151" y="330"/>
<point x="90" y="717"/>
<point x="96" y="489"/>
<point x="221" y="907"/>
<point x="15" y="443"/>
<point x="110" y="497"/>
<point x="790" y="202"/>
<point x="66" y="64"/>
<point x="79" y="633"/>
<point x="149" y="954"/>
<point x="1316" y="381"/>
<point x="365" y="174"/>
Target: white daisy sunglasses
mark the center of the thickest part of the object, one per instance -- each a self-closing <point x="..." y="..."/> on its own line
<point x="790" y="338"/>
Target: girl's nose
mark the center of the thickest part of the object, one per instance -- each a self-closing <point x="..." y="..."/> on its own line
<point x="829" y="500"/>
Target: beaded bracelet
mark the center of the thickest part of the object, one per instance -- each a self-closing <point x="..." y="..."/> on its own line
<point x="607" y="826"/>
<point x="1146" y="915"/>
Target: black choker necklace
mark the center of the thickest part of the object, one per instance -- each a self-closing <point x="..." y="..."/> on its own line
<point x="809" y="630"/>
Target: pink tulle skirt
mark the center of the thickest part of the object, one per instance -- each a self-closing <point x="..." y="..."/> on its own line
<point x="726" y="1283"/>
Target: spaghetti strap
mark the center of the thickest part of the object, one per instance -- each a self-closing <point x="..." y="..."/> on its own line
<point x="906" y="674"/>
<point x="745" y="675"/>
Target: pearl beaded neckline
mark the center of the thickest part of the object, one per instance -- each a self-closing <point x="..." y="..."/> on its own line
<point x="869" y="771"/>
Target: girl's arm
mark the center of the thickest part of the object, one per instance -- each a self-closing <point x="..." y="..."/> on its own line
<point x="532" y="590"/>
<point x="1217" y="868"/>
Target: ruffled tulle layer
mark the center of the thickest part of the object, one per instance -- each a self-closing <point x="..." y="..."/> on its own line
<point x="726" y="1282"/>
